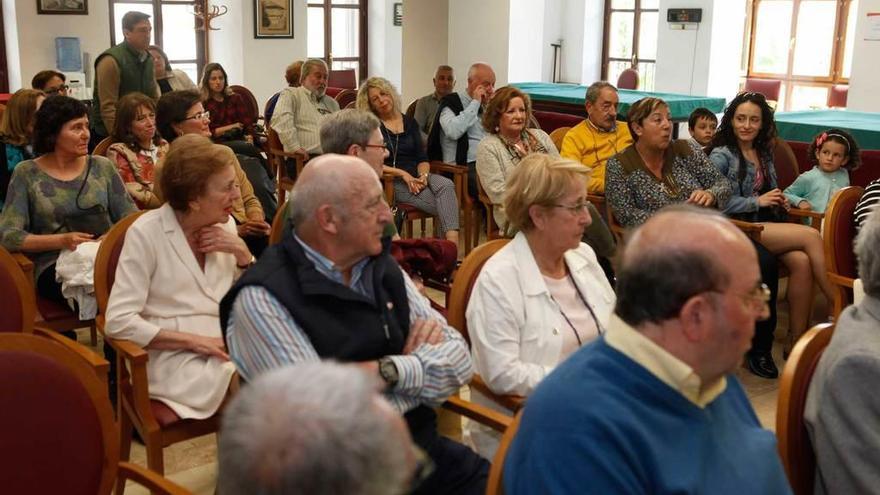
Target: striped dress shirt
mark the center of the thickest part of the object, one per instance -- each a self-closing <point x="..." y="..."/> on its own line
<point x="297" y="118"/>
<point x="262" y="335"/>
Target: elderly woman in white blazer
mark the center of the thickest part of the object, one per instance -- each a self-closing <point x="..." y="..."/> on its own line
<point x="543" y="295"/>
<point x="177" y="262"/>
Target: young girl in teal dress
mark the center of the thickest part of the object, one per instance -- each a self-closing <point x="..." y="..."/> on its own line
<point x="833" y="154"/>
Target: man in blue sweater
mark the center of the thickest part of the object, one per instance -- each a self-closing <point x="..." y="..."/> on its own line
<point x="652" y="406"/>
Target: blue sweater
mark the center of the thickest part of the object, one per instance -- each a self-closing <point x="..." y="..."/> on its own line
<point x="601" y="423"/>
<point x="817" y="187"/>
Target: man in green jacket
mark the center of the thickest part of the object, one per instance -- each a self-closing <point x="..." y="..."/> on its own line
<point x="122" y="69"/>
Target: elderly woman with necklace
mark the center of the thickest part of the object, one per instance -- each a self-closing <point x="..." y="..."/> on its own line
<point x="407" y="159"/>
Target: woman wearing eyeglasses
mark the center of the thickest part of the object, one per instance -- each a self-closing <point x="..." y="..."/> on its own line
<point x="181" y="112"/>
<point x="544" y="294"/>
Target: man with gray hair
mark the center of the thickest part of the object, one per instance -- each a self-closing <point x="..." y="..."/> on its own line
<point x="299" y="111"/>
<point x="331" y="290"/>
<point x="356" y="133"/>
<point x="842" y="403"/>
<point x="426" y="106"/>
<point x="598" y="137"/>
<point x="652" y="406"/>
<point x="316" y="428"/>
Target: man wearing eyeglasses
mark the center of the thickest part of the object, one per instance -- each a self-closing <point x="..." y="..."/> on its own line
<point x="50" y="82"/>
<point x="653" y="405"/>
<point x="122" y="69"/>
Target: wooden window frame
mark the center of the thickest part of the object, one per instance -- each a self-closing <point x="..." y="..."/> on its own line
<point x="363" y="41"/>
<point x="789" y="79"/>
<point x="634" y="61"/>
<point x="156" y="21"/>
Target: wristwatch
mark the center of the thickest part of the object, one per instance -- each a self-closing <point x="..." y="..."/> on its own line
<point x="388" y="371"/>
<point x="249" y="263"/>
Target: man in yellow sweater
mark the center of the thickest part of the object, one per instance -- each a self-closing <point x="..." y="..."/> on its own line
<point x="599" y="137"/>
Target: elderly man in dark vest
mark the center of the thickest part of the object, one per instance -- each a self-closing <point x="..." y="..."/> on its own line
<point x="331" y="290"/>
<point x="122" y="69"/>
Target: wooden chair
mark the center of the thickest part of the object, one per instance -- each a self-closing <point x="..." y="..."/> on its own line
<point x="495" y="485"/>
<point x="278" y="224"/>
<point x="793" y="440"/>
<point x="249" y="99"/>
<point x="58" y="431"/>
<point x="837" y="96"/>
<point x="342" y="78"/>
<point x="277" y="159"/>
<point x="628" y="79"/>
<point x="102" y="147"/>
<point x="464" y="282"/>
<point x="157" y="424"/>
<point x="558" y="135"/>
<point x="469" y="225"/>
<point x="269" y="109"/>
<point x="838" y="236"/>
<point x="411" y="109"/>
<point x="787" y="170"/>
<point x="493" y="231"/>
<point x="346" y="97"/>
<point x="770" y="88"/>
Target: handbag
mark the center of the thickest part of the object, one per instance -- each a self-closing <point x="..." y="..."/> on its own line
<point x="93" y="220"/>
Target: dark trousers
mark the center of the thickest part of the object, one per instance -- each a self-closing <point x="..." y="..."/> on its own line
<point x="762" y="342"/>
<point x="457" y="470"/>
<point x="472" y="181"/>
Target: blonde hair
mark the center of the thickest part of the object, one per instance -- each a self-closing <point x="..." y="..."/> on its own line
<point x="18" y="118"/>
<point x="383" y="85"/>
<point x="539" y="179"/>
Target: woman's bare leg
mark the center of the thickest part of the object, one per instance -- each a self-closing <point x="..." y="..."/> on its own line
<point x="781" y="238"/>
<point x="799" y="291"/>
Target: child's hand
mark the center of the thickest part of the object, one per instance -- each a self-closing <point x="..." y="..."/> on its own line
<point x="805" y="205"/>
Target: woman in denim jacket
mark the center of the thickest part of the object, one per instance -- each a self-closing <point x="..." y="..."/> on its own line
<point x="742" y="149"/>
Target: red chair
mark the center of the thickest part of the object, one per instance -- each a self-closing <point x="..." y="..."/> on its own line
<point x="768" y="87"/>
<point x="837" y="96"/>
<point x="550" y="121"/>
<point x="343" y="78"/>
<point x="628" y="79"/>
<point x="249" y="99"/>
<point x="838" y="236"/>
<point x="345" y="98"/>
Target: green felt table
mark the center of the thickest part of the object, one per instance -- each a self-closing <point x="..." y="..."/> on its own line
<point x="804" y="125"/>
<point x="569" y="98"/>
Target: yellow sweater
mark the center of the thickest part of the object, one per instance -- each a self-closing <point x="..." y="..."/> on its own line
<point x="592" y="147"/>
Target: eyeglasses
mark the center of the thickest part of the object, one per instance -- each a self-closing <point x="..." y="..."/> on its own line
<point x="575" y="208"/>
<point x="758" y="298"/>
<point x="379" y="146"/>
<point x="55" y="91"/>
<point x="200" y="116"/>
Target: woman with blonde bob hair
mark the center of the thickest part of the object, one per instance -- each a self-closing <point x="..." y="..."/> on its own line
<point x="544" y="294"/>
<point x="16" y="130"/>
<point x="176" y="264"/>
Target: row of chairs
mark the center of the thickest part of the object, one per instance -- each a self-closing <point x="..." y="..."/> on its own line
<point x="771" y="88"/>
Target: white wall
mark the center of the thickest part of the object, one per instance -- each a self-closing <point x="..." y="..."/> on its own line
<point x="865" y="77"/>
<point x="525" y="49"/>
<point x="553" y="16"/>
<point x="425" y="46"/>
<point x="385" y="42"/>
<point x="10" y="35"/>
<point x="478" y="32"/>
<point x="591" y="50"/>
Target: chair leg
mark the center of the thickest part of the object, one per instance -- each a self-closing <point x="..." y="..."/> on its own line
<point x="93" y="334"/>
<point x="125" y="427"/>
<point x="155" y="461"/>
<point x="424" y="233"/>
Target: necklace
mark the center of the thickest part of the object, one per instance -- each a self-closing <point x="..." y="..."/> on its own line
<point x="666" y="182"/>
<point x="583" y="300"/>
<point x="386" y="133"/>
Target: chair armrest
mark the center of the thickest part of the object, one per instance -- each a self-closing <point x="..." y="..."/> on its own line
<point x="438" y="167"/>
<point x="512" y="402"/>
<point x="753" y="230"/>
<point x="481" y="414"/>
<point x="149" y="479"/>
<point x="814" y="216"/>
<point x="388" y="187"/>
<point x="840" y="280"/>
<point x="129" y="351"/>
<point x="27" y="266"/>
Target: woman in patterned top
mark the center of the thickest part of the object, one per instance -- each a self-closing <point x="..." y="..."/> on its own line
<point x="63" y="198"/>
<point x="655" y="172"/>
<point x="137" y="148"/>
<point x="16" y="129"/>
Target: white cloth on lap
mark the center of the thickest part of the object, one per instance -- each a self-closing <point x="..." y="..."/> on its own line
<point x="75" y="270"/>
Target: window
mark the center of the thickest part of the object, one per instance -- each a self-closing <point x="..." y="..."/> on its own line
<point x="174" y="29"/>
<point x="630" y="40"/>
<point x="337" y="33"/>
<point x="807" y="44"/>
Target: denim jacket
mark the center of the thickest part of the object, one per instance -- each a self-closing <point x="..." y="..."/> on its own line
<point x="742" y="198"/>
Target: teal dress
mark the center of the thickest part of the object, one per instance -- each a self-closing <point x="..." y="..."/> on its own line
<point x="13" y="155"/>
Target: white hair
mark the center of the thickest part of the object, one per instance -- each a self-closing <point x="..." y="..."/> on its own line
<point x="312" y="428"/>
<point x="867" y="250"/>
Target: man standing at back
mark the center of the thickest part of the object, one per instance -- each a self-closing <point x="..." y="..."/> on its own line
<point x="653" y="406"/>
<point x="299" y="111"/>
<point x="122" y="69"/>
<point x="457" y="129"/>
<point x="598" y="137"/>
<point x="426" y="106"/>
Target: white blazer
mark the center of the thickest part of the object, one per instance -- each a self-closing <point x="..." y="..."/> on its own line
<point x="159" y="285"/>
<point x="516" y="329"/>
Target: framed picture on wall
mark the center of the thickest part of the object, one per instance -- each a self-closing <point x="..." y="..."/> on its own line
<point x="75" y="7"/>
<point x="273" y="18"/>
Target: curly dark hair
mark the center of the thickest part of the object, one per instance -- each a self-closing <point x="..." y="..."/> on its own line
<point x="51" y="117"/>
<point x="126" y="112"/>
<point x="725" y="136"/>
<point x="172" y="108"/>
<point x="838" y="136"/>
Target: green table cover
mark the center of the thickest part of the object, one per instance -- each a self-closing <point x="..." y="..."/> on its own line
<point x="803" y="126"/>
<point x="680" y="106"/>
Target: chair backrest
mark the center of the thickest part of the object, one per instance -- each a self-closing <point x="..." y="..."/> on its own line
<point x="411" y="109"/>
<point x="628" y="79"/>
<point x="795" y="448"/>
<point x="345" y="97"/>
<point x="269" y="109"/>
<point x="58" y="430"/>
<point x="18" y="302"/>
<point x="249" y="99"/>
<point x="465" y="278"/>
<point x="768" y="87"/>
<point x="840" y="231"/>
<point x="495" y="485"/>
<point x="278" y="222"/>
<point x="492" y="230"/>
<point x="342" y="78"/>
<point x="550" y="121"/>
<point x="786" y="164"/>
<point x="107" y="259"/>
<point x="837" y="96"/>
<point x="558" y="135"/>
<point x="102" y="147"/>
